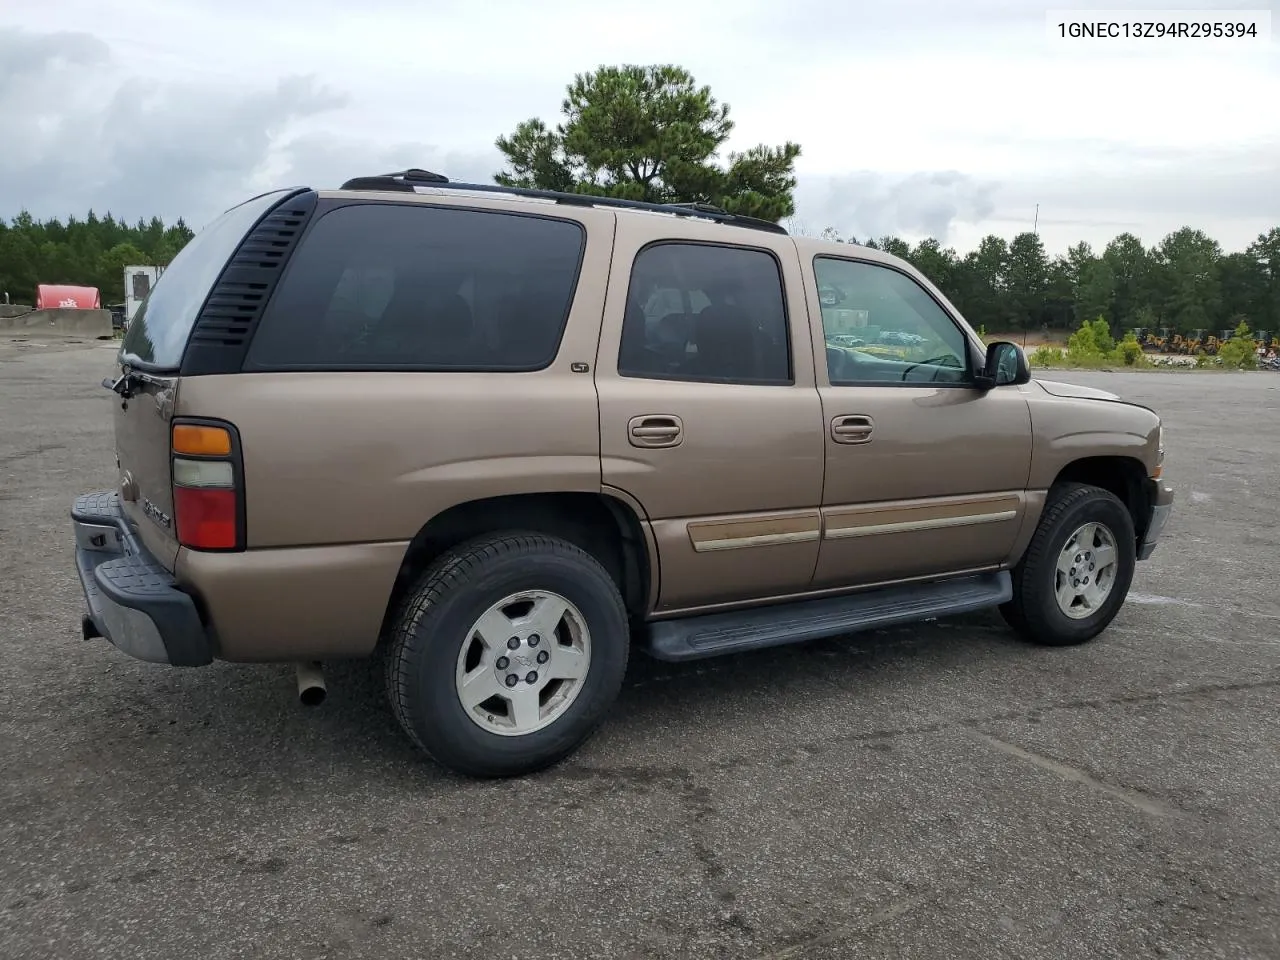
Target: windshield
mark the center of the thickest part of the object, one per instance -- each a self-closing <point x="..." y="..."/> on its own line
<point x="158" y="334"/>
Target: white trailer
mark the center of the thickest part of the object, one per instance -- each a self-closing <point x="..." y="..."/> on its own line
<point x="138" y="282"/>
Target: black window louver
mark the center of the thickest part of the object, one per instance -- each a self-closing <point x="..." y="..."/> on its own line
<point x="226" y="323"/>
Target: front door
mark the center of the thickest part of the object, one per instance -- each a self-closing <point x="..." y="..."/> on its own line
<point x="925" y="473"/>
<point x="709" y="416"/>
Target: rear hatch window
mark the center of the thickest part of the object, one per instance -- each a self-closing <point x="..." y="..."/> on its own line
<point x="158" y="335"/>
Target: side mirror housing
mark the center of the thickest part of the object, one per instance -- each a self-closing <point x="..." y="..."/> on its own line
<point x="1006" y="365"/>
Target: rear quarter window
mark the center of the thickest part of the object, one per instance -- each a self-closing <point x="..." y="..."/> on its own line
<point x="415" y="287"/>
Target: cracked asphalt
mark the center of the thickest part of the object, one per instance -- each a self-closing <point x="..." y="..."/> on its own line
<point x="932" y="791"/>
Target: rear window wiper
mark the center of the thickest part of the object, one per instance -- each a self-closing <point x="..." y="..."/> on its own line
<point x="126" y="384"/>
<point x="122" y="384"/>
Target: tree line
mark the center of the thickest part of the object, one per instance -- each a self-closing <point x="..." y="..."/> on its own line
<point x="652" y="133"/>
<point x="91" y="252"/>
<point x="1186" y="282"/>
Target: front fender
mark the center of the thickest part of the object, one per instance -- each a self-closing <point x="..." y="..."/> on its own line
<point x="1066" y="430"/>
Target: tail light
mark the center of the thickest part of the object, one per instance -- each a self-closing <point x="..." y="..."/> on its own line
<point x="208" y="502"/>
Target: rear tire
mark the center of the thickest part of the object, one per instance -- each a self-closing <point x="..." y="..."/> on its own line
<point x="1075" y="574"/>
<point x="507" y="655"/>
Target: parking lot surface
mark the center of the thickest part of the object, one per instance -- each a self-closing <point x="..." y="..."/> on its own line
<point x="931" y="791"/>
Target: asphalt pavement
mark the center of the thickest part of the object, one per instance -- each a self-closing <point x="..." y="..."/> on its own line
<point x="936" y="791"/>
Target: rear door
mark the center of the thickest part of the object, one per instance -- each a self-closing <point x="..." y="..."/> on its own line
<point x="153" y="350"/>
<point x="709" y="417"/>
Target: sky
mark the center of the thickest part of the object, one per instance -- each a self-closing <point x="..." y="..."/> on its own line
<point x="943" y="118"/>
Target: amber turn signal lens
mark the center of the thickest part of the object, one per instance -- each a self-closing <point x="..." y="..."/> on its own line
<point x="201" y="441"/>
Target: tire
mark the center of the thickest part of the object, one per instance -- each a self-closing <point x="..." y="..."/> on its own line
<point x="428" y="669"/>
<point x="1035" y="612"/>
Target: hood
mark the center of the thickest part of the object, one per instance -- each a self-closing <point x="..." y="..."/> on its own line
<point x="1074" y="391"/>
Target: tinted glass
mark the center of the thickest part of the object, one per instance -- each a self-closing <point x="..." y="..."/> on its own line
<point x="881" y="326"/>
<point x="160" y="328"/>
<point x="406" y="286"/>
<point x="702" y="312"/>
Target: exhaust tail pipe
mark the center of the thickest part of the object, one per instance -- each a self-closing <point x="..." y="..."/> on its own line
<point x="311" y="688"/>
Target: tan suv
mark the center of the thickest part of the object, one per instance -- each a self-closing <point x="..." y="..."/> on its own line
<point x="498" y="435"/>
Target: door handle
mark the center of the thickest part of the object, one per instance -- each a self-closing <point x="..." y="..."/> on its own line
<point x="852" y="429"/>
<point x="655" y="430"/>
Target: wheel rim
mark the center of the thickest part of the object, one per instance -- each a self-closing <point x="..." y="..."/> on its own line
<point x="523" y="663"/>
<point x="1086" y="571"/>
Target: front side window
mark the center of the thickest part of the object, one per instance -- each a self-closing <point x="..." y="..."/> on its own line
<point x="709" y="313"/>
<point x="417" y="287"/>
<point x="880" y="326"/>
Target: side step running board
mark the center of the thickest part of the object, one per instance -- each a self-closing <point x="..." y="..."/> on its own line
<point x="713" y="634"/>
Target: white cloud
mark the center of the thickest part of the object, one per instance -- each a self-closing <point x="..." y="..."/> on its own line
<point x="948" y="117"/>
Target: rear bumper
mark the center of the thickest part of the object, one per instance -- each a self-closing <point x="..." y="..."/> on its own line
<point x="1160" y="496"/>
<point x="132" y="600"/>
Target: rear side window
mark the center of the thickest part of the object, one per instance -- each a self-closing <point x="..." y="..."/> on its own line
<point x="400" y="286"/>
<point x="698" y="311"/>
<point x="160" y="329"/>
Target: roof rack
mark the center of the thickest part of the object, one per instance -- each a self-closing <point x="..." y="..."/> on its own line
<point x="407" y="181"/>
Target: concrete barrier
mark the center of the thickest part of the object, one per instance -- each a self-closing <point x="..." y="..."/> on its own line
<point x="83" y="324"/>
<point x="14" y="309"/>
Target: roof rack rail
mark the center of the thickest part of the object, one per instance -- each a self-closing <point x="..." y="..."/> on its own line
<point x="699" y="205"/>
<point x="403" y="181"/>
<point x="406" y="181"/>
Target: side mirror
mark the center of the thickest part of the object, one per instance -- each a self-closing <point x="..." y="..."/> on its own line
<point x="1006" y="366"/>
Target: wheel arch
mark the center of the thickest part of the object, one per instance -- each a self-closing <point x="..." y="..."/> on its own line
<point x="605" y="525"/>
<point x="1124" y="476"/>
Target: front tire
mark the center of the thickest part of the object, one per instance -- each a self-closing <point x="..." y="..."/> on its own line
<point x="1076" y="572"/>
<point x="508" y="654"/>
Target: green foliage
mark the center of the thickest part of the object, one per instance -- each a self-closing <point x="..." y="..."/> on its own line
<point x="1240" y="352"/>
<point x="1027" y="277"/>
<point x="1145" y="318"/>
<point x="895" y="247"/>
<point x="1184" y="283"/>
<point x="1047" y="357"/>
<point x="1092" y="346"/>
<point x="649" y="133"/>
<point x="1129" y="351"/>
<point x="1097" y="289"/>
<point x="90" y="252"/>
<point x="1093" y="339"/>
<point x="1187" y="264"/>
